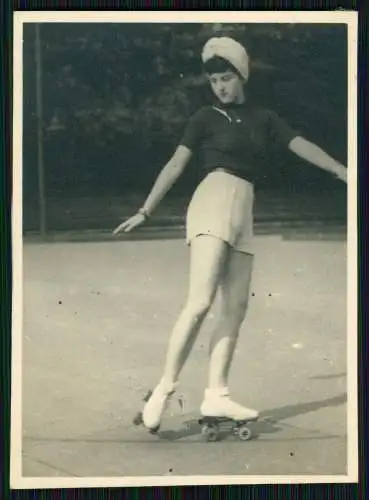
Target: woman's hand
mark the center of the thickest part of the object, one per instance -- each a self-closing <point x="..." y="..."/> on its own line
<point x="131" y="223"/>
<point x="341" y="173"/>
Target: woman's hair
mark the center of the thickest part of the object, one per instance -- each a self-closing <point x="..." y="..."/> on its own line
<point x="219" y="65"/>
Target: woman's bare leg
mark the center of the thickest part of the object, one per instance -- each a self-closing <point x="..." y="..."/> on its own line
<point x="234" y="294"/>
<point x="234" y="290"/>
<point x="208" y="255"/>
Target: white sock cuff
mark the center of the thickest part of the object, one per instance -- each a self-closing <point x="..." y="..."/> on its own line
<point x="217" y="392"/>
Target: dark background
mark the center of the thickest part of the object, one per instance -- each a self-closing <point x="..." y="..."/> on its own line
<point x="116" y="98"/>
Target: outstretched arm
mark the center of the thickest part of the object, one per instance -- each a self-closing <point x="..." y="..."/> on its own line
<point x="315" y="155"/>
<point x="166" y="179"/>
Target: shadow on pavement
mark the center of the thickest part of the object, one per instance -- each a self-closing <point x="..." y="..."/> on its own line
<point x="328" y="377"/>
<point x="267" y="423"/>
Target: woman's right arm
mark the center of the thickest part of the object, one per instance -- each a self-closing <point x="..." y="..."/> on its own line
<point x="166" y="179"/>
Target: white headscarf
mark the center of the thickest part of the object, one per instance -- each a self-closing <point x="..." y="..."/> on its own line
<point x="230" y="50"/>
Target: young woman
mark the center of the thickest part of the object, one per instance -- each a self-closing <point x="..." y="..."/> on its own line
<point x="234" y="137"/>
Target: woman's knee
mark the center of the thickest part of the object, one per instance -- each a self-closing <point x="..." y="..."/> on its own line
<point x="198" y="308"/>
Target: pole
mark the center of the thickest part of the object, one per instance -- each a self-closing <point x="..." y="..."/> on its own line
<point x="40" y="135"/>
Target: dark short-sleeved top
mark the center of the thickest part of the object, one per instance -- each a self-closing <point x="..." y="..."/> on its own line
<point x="238" y="137"/>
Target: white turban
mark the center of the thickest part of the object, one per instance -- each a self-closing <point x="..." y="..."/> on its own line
<point x="230" y="50"/>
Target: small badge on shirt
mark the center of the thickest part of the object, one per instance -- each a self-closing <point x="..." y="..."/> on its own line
<point x="224" y="113"/>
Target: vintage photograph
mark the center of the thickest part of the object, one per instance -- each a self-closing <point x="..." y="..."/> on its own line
<point x="184" y="241"/>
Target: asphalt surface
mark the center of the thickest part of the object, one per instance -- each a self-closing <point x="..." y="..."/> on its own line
<point x="97" y="316"/>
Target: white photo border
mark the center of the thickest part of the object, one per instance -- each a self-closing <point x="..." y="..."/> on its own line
<point x="350" y="18"/>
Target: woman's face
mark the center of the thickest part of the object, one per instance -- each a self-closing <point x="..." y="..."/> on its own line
<point x="227" y="87"/>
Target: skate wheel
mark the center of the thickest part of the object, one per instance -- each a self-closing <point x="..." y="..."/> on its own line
<point x="154" y="430"/>
<point x="244" y="433"/>
<point x="210" y="432"/>
<point x="137" y="419"/>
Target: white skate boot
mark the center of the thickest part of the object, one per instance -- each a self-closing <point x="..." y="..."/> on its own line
<point x="156" y="405"/>
<point x="217" y="404"/>
<point x="218" y="408"/>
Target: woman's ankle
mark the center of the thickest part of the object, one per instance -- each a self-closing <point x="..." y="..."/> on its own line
<point x="167" y="384"/>
<point x="216" y="391"/>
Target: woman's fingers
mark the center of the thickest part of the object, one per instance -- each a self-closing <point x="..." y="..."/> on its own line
<point x="129" y="227"/>
<point x="122" y="227"/>
<point x="119" y="228"/>
<point x="129" y="224"/>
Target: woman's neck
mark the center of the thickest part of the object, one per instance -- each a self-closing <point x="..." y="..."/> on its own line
<point x="241" y="99"/>
<point x="234" y="104"/>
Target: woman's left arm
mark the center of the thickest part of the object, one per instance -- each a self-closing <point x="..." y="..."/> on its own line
<point x="313" y="154"/>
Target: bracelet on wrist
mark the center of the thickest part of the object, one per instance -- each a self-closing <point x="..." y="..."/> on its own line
<point x="143" y="212"/>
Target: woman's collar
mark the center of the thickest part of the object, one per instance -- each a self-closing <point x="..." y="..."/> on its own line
<point x="232" y="105"/>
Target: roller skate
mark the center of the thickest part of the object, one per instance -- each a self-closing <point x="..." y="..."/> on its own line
<point x="217" y="408"/>
<point x="156" y="404"/>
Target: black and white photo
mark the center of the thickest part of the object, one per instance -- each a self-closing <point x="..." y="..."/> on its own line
<point x="184" y="247"/>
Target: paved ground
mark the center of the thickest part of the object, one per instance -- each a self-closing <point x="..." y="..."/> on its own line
<point x="96" y="321"/>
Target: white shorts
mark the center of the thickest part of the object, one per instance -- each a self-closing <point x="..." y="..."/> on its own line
<point x="222" y="206"/>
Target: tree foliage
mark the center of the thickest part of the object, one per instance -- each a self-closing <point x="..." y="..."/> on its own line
<point x="116" y="97"/>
